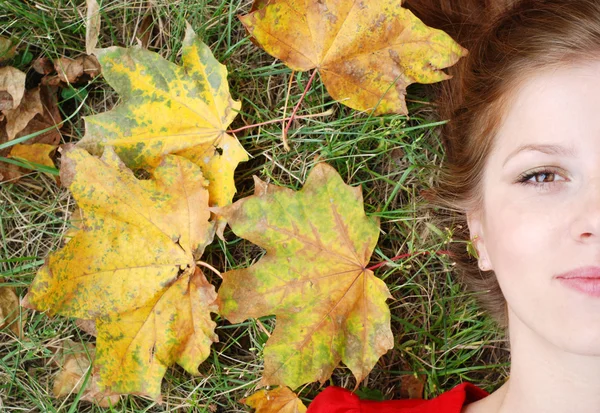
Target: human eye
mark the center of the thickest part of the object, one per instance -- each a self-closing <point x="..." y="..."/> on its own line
<point x="541" y="178"/>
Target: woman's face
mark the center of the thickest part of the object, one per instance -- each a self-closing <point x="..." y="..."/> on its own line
<point x="529" y="232"/>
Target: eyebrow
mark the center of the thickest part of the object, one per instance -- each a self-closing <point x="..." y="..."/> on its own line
<point x="544" y="148"/>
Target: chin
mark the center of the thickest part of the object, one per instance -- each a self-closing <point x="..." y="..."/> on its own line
<point x="577" y="337"/>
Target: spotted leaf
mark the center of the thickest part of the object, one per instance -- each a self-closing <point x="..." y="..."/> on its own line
<point x="170" y="109"/>
<point x="130" y="266"/>
<point x="367" y="51"/>
<point x="314" y="277"/>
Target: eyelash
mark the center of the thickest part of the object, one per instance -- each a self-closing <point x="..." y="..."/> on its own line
<point x="525" y="177"/>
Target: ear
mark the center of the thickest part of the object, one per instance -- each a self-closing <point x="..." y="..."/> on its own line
<point x="477" y="235"/>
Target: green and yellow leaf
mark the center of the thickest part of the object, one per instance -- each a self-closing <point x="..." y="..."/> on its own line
<point x="170" y="109"/>
<point x="314" y="278"/>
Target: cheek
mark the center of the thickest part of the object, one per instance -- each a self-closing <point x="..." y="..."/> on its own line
<point x="523" y="236"/>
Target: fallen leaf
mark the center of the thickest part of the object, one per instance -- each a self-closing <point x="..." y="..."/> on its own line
<point x="91" y="66"/>
<point x="9" y="172"/>
<point x="166" y="108"/>
<point x="314" y="278"/>
<point x="279" y="400"/>
<point x="74" y="360"/>
<point x="76" y="70"/>
<point x="37" y="153"/>
<point x="92" y="26"/>
<point x="12" y="87"/>
<point x="412" y="386"/>
<point x="43" y="65"/>
<point x="131" y="268"/>
<point x="367" y="52"/>
<point x="8" y="48"/>
<point x="87" y="326"/>
<point x="18" y="117"/>
<point x="144" y="31"/>
<point x="49" y="118"/>
<point x="9" y="310"/>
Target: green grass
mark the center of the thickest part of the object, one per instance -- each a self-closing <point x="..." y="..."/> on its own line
<point x="439" y="331"/>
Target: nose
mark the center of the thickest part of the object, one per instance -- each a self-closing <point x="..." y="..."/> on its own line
<point x="586" y="225"/>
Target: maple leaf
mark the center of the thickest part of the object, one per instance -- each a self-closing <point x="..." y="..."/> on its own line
<point x="279" y="400"/>
<point x="367" y="51"/>
<point x="131" y="268"/>
<point x="329" y="306"/>
<point x="166" y="108"/>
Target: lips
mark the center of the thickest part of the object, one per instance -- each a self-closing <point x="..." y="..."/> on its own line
<point x="583" y="272"/>
<point x="585" y="280"/>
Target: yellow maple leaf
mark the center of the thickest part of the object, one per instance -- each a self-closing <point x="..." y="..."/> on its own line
<point x="131" y="268"/>
<point x="279" y="400"/>
<point x="367" y="51"/>
<point x="170" y="109"/>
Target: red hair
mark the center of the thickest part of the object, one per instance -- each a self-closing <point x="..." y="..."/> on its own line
<point x="508" y="41"/>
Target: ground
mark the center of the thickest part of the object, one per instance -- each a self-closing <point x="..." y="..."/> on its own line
<point x="441" y="335"/>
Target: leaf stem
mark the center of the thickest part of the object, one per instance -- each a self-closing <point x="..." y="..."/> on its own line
<point x="286" y="147"/>
<point x="399" y="257"/>
<point x="210" y="267"/>
<point x="287" y="128"/>
<point x="314" y="115"/>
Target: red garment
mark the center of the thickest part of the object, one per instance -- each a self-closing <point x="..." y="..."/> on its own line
<point x="337" y="400"/>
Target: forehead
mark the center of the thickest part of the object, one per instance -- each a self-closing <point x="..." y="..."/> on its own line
<point x="553" y="106"/>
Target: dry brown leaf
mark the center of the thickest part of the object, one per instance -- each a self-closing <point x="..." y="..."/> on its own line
<point x="12" y="87"/>
<point x="69" y="70"/>
<point x="144" y="32"/>
<point x="43" y="65"/>
<point x="91" y="66"/>
<point x="412" y="385"/>
<point x="49" y="117"/>
<point x="9" y="311"/>
<point x="18" y="118"/>
<point x="74" y="360"/>
<point x="8" y="171"/>
<point x="87" y="326"/>
<point x="73" y="70"/>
